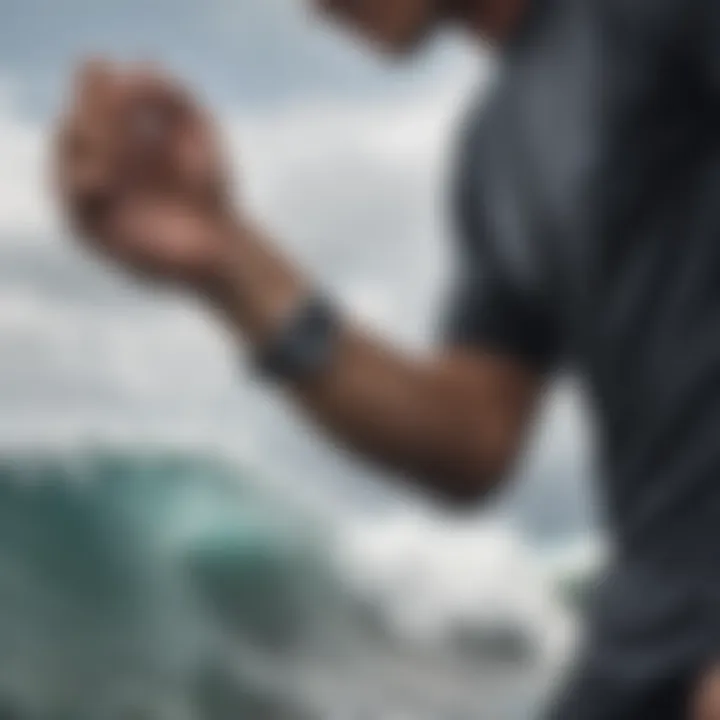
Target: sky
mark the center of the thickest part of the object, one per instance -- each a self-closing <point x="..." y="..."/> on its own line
<point x="346" y="158"/>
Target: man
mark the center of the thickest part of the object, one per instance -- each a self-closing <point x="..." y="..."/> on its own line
<point x="589" y="219"/>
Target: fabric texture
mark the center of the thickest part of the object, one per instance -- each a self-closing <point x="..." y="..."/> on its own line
<point x="588" y="200"/>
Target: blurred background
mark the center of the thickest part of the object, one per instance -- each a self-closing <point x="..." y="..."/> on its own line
<point x="175" y="542"/>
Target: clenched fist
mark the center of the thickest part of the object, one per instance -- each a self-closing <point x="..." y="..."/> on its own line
<point x="140" y="173"/>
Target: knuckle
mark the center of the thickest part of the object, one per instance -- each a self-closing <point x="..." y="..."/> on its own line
<point x="92" y="73"/>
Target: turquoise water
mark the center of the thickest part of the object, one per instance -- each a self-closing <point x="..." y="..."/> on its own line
<point x="168" y="585"/>
<point x="120" y="574"/>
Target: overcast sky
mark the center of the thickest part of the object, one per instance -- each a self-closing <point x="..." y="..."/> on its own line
<point x="346" y="159"/>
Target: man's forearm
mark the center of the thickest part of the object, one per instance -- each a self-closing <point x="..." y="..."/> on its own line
<point x="453" y="421"/>
<point x="456" y="419"/>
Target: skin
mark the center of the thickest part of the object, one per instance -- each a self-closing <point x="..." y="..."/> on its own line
<point x="140" y="173"/>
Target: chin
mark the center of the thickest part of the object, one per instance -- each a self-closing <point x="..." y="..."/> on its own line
<point x="395" y="27"/>
<point x="406" y="46"/>
<point x="401" y="42"/>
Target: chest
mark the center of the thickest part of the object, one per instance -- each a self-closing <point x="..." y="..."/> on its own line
<point x="591" y="129"/>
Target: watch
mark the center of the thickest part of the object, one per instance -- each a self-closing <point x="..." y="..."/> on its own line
<point x="305" y="343"/>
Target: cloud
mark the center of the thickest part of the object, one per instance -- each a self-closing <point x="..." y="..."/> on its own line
<point x="354" y="191"/>
<point x="262" y="52"/>
<point x="358" y="194"/>
<point x="24" y="206"/>
<point x="86" y="353"/>
<point x="433" y="577"/>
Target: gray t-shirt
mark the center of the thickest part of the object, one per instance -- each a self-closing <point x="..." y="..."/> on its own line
<point x="589" y="207"/>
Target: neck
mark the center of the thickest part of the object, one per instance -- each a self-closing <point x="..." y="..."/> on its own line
<point x="493" y="20"/>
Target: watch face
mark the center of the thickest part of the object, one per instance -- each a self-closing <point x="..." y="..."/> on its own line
<point x="304" y="345"/>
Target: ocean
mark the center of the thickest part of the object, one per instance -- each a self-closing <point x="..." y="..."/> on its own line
<point x="139" y="579"/>
<point x="141" y="583"/>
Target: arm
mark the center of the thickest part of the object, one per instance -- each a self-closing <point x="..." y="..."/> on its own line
<point x="453" y="421"/>
<point x="141" y="181"/>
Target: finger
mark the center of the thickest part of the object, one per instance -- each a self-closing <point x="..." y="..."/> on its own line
<point x="154" y="105"/>
<point x="93" y="84"/>
<point x="181" y="120"/>
<point x="90" y="129"/>
<point x="90" y="143"/>
<point x="83" y="181"/>
<point x="82" y="150"/>
<point x="162" y="128"/>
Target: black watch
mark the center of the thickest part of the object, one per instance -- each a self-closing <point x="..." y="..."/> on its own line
<point x="304" y="345"/>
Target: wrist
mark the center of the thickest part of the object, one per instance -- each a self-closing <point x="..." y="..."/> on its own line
<point x="225" y="236"/>
<point x="249" y="283"/>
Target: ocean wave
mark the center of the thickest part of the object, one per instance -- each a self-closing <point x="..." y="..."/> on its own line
<point x="179" y="585"/>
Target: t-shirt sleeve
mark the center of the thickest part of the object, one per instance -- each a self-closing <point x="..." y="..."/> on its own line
<point x="491" y="306"/>
<point x="485" y="312"/>
<point x="498" y="300"/>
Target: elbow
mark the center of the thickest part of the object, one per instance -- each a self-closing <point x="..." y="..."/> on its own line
<point x="463" y="486"/>
<point x="456" y="496"/>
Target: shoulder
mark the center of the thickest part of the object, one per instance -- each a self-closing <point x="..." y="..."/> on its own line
<point x="476" y="148"/>
<point x="468" y="180"/>
<point x="476" y="155"/>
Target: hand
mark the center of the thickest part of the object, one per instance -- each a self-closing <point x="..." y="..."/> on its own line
<point x="140" y="174"/>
